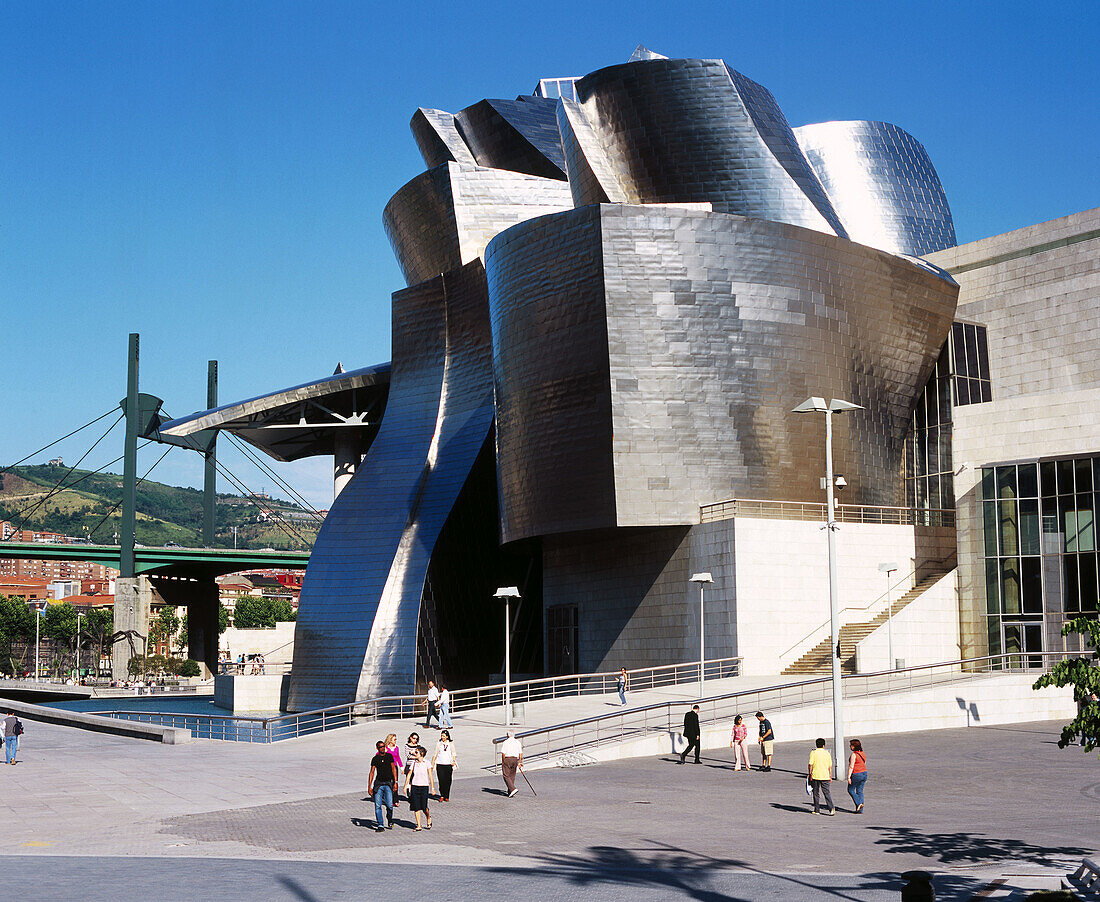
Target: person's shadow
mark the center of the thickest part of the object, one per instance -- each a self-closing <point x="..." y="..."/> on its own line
<point x="494" y="792"/>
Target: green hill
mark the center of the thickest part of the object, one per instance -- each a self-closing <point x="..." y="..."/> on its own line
<point x="90" y="506"/>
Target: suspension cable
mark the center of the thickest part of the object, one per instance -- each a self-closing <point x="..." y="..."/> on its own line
<point x="118" y="503"/>
<point x="10" y="467"/>
<point x="265" y="468"/>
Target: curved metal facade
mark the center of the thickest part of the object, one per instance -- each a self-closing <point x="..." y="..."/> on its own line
<point x="437" y="136"/>
<point x="680" y="130"/>
<point x="647" y="360"/>
<point x="443" y="218"/>
<point x="517" y="135"/>
<point x="360" y="601"/>
<point x="882" y="184"/>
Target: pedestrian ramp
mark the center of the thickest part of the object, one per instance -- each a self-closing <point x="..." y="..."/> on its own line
<point x="972" y="692"/>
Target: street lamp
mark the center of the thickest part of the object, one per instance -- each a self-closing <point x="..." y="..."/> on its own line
<point x="507" y="593"/>
<point x="888" y="568"/>
<point x="37" y="621"/>
<point x="702" y="579"/>
<point x="78" y="646"/>
<point x="836" y="405"/>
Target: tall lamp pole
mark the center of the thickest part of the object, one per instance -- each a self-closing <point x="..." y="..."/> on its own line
<point x="836" y="405"/>
<point x="702" y="579"/>
<point x="889" y="568"/>
<point x="37" y="620"/>
<point x="507" y="593"/>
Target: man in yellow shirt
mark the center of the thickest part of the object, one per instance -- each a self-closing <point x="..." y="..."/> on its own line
<point x="819" y="773"/>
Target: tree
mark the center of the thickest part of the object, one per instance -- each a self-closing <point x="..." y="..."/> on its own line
<point x="189" y="668"/>
<point x="1083" y="674"/>
<point x="164" y="626"/>
<point x="16" y="623"/>
<point x="261" y="613"/>
<point x="98" y="625"/>
<point x="59" y="622"/>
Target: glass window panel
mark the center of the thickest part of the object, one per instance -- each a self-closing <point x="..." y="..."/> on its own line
<point x="1085" y="529"/>
<point x="947" y="491"/>
<point x="1047" y="477"/>
<point x="958" y="347"/>
<point x="1028" y="476"/>
<point x="989" y="484"/>
<point x="920" y="421"/>
<point x="962" y="391"/>
<point x="1083" y="469"/>
<point x="972" y="351"/>
<point x="933" y="450"/>
<point x="922" y="493"/>
<point x="933" y="403"/>
<point x="994" y="632"/>
<point x="1006" y="482"/>
<point x="983" y="353"/>
<point x="1010" y="585"/>
<point x="1087" y="568"/>
<point x="1031" y="585"/>
<point x="987" y="392"/>
<point x="1096" y="472"/>
<point x="1068" y="518"/>
<point x="992" y="587"/>
<point x="944" y="393"/>
<point x="1008" y="528"/>
<point x="945" y="449"/>
<point x="1071" y="592"/>
<point x="934" y="492"/>
<point x="1065" y="477"/>
<point x="1012" y="639"/>
<point x="990" y="524"/>
<point x="943" y="364"/>
<point x="1029" y="527"/>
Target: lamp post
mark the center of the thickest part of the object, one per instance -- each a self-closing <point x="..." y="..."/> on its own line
<point x="836" y="405"/>
<point x="78" y="646"/>
<point x="507" y="593"/>
<point x="702" y="579"/>
<point x="37" y="620"/>
<point x="889" y="568"/>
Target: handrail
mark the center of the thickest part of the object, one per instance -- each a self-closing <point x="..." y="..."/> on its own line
<point x="910" y="577"/>
<point x="658" y="717"/>
<point x="815" y="511"/>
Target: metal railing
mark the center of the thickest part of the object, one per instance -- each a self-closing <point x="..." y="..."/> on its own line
<point x="815" y="512"/>
<point x="666" y="717"/>
<point x="249" y="668"/>
<point x="911" y="580"/>
<point x="289" y="726"/>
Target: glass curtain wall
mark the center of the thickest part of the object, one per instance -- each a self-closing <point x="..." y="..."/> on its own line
<point x="1040" y="551"/>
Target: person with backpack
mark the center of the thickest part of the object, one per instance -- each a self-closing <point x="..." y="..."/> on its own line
<point x="13" y="729"/>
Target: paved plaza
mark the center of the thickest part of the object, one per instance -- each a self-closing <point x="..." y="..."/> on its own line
<point x="970" y="804"/>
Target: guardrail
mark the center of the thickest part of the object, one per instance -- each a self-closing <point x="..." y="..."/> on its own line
<point x="251" y="668"/>
<point x="245" y="728"/>
<point x="591" y="732"/>
<point x="815" y="511"/>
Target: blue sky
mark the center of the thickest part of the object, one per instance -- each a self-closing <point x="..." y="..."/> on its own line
<point x="212" y="174"/>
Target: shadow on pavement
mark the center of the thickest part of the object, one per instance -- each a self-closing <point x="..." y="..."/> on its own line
<point x="297" y="889"/>
<point x="953" y="848"/>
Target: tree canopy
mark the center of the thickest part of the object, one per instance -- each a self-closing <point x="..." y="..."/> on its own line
<point x="1083" y="674"/>
<point x="252" y="613"/>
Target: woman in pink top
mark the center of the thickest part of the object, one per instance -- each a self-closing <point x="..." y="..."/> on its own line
<point x="739" y="744"/>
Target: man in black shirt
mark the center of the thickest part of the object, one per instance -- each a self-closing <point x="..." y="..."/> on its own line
<point x="767" y="739"/>
<point x="691" y="733"/>
<point x="381" y="784"/>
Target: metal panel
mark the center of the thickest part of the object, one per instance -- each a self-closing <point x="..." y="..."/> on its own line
<point x="519" y="135"/>
<point x="443" y="218"/>
<point x="438" y="139"/>
<point x="680" y="130"/>
<point x="882" y="184"/>
<point x="646" y="361"/>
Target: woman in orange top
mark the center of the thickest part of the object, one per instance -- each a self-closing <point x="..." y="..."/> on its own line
<point x="739" y="744"/>
<point x="857" y="773"/>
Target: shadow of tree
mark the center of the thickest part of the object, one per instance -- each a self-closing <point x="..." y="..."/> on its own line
<point x="681" y="872"/>
<point x="951" y="848"/>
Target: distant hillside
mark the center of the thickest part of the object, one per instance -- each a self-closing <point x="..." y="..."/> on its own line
<point x="165" y="513"/>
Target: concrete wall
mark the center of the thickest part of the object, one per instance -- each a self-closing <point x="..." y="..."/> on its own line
<point x="276" y="645"/>
<point x="926" y="631"/>
<point x="251" y="694"/>
<point x="1037" y="290"/>
<point x="782" y="580"/>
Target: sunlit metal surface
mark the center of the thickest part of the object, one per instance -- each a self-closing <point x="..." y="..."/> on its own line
<point x="518" y="135"/>
<point x="882" y="184"/>
<point x="438" y="139"/>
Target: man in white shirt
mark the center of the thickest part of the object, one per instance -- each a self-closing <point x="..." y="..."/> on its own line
<point x="511" y="759"/>
<point x="431" y="702"/>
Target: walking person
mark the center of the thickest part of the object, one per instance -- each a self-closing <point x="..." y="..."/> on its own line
<point x="767" y="741"/>
<point x="410" y="749"/>
<point x="444" y="761"/>
<point x="819" y="773"/>
<point x="445" y="706"/>
<point x="430" y="703"/>
<point x="382" y="785"/>
<point x="12" y="728"/>
<point x="393" y="748"/>
<point x="511" y="760"/>
<point x="419" y="787"/>
<point x="857" y="773"/>
<point x="691" y="734"/>
<point x="739" y="742"/>
<point x="621" y="685"/>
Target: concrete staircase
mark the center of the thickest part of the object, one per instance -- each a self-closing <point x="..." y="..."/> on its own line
<point x="818" y="661"/>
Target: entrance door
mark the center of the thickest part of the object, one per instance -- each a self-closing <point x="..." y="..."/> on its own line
<point x="1023" y="638"/>
<point x="561" y="639"/>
